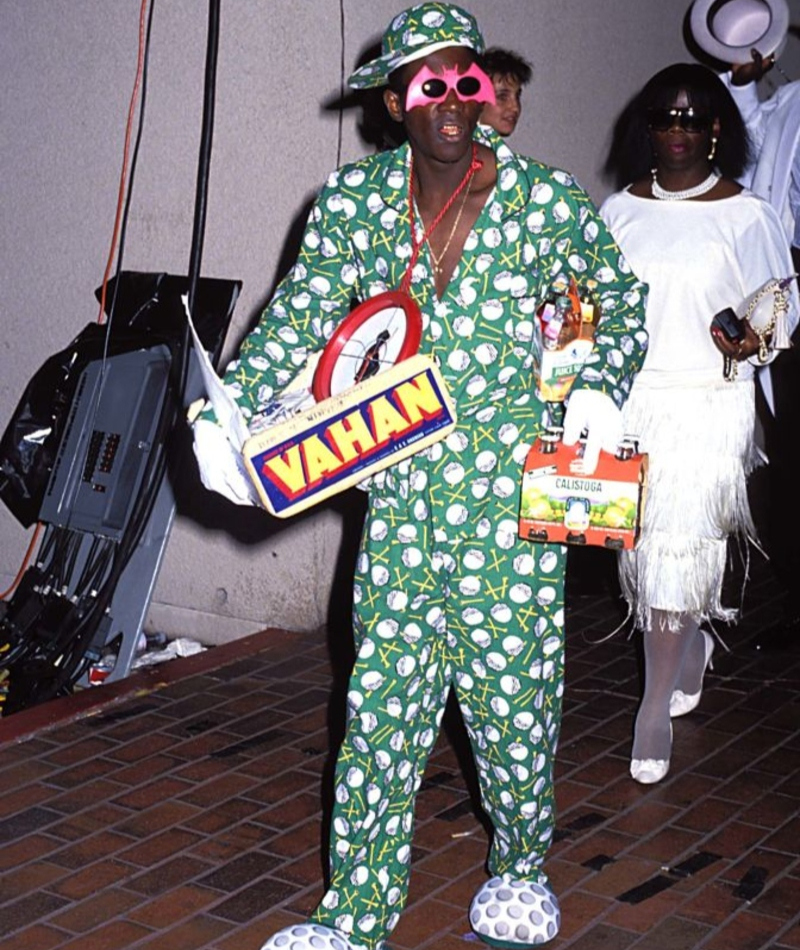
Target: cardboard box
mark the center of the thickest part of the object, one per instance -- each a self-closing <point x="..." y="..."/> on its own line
<point x="560" y="504"/>
<point x="340" y="441"/>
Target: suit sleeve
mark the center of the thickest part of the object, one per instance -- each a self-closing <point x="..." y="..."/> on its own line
<point x="620" y="341"/>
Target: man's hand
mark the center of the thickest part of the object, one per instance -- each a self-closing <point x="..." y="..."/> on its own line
<point x="599" y="415"/>
<point x="744" y="73"/>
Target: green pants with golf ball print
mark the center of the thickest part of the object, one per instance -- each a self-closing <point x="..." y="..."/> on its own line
<point x="488" y="622"/>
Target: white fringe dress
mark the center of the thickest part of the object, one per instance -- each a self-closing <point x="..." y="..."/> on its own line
<point x="697" y="257"/>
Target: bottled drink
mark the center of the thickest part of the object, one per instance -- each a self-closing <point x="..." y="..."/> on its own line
<point x="590" y="311"/>
<point x="561" y="317"/>
<point x="627" y="448"/>
<point x="548" y="443"/>
<point x="546" y="310"/>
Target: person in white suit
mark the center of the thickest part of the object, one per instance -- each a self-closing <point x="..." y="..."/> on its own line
<point x="774" y="127"/>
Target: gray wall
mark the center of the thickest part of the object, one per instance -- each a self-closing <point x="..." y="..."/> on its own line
<point x="67" y="73"/>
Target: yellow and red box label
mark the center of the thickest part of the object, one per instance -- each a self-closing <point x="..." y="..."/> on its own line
<point x="340" y="441"/>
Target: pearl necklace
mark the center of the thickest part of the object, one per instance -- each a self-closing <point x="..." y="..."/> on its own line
<point x="663" y="195"/>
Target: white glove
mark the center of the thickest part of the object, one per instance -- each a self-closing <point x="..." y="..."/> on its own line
<point x="221" y="466"/>
<point x="599" y="415"/>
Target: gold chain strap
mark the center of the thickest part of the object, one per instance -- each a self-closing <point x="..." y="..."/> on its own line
<point x="780" y="305"/>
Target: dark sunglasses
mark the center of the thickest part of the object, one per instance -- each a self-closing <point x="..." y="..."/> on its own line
<point x="662" y="120"/>
<point x="466" y="86"/>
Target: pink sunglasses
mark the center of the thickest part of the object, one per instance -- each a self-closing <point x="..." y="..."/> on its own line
<point x="427" y="87"/>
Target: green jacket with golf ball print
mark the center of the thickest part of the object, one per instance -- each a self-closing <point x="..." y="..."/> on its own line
<point x="537" y="226"/>
<point x="446" y="594"/>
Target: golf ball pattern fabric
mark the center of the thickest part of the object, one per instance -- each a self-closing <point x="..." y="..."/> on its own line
<point x="487" y="621"/>
<point x="508" y="911"/>
<point x="537" y="228"/>
<point x="446" y="594"/>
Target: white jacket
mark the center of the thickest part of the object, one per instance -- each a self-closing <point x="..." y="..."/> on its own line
<point x="774" y="126"/>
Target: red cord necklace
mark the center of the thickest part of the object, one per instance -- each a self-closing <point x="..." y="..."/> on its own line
<point x="416" y="246"/>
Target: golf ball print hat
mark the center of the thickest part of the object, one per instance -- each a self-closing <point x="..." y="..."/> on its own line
<point x="417" y="32"/>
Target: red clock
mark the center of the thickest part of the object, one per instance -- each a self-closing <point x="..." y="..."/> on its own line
<point x="377" y="334"/>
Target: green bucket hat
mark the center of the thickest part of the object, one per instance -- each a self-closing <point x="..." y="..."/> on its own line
<point x="414" y="33"/>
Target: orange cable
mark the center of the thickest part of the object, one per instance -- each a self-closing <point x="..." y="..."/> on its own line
<point x="123" y="178"/>
<point x="25" y="562"/>
<point x="114" y="239"/>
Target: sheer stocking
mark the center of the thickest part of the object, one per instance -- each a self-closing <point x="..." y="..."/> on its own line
<point x="690" y="677"/>
<point x="664" y="654"/>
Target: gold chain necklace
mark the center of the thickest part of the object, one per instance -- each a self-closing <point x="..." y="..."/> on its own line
<point x="416" y="245"/>
<point x="438" y="258"/>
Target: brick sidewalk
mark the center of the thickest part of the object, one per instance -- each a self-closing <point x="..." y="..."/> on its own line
<point x="180" y="809"/>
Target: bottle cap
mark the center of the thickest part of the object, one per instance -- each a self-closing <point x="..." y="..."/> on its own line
<point x="548" y="443"/>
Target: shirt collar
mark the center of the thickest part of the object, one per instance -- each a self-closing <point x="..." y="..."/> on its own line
<point x="394" y="190"/>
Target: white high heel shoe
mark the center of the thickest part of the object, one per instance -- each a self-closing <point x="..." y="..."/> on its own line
<point x="681" y="703"/>
<point x="650" y="771"/>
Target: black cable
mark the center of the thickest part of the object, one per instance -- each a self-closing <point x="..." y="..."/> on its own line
<point x="72" y="662"/>
<point x="71" y="559"/>
<point x="204" y="160"/>
<point x="46" y="548"/>
<point x="341" y="83"/>
<point x="95" y="568"/>
<point x="179" y="367"/>
<point x="87" y="571"/>
<point x="102" y="567"/>
<point x="53" y="568"/>
<point x="156" y="466"/>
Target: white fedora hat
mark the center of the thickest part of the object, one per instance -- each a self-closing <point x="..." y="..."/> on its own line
<point x="729" y="29"/>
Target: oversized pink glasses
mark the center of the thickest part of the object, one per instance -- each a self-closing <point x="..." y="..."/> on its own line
<point x="427" y="87"/>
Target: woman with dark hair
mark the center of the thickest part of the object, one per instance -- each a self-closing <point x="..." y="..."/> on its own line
<point x="703" y="244"/>
<point x="509" y="72"/>
<point x="631" y="155"/>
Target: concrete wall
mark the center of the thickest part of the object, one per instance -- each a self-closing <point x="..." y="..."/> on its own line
<point x="67" y="73"/>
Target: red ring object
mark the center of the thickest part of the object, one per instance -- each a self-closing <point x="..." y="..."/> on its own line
<point x="321" y="385"/>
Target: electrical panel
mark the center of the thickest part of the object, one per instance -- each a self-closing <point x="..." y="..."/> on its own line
<point x="108" y="437"/>
<point x="99" y="420"/>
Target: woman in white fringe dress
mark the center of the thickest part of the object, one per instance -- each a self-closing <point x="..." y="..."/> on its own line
<point x="702" y="244"/>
